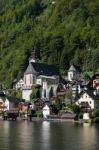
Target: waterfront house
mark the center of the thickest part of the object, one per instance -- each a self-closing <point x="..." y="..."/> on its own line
<point x="11" y="103"/>
<point x="38" y="104"/>
<point x="2" y="98"/>
<point x="88" y="101"/>
<point x="8" y="102"/>
<point x="46" y="111"/>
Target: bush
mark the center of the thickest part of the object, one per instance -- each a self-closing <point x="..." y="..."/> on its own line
<point x="96" y="120"/>
<point x="75" y="108"/>
<point x="39" y="114"/>
<point x="95" y="114"/>
<point x="81" y="116"/>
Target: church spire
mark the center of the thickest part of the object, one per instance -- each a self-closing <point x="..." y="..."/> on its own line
<point x="34" y="57"/>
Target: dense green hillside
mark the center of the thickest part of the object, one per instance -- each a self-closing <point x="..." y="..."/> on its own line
<point x="62" y="31"/>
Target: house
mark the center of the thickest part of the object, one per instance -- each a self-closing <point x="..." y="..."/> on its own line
<point x="88" y="101"/>
<point x="2" y="98"/>
<point x="43" y="74"/>
<point x="8" y="102"/>
<point x="11" y="103"/>
<point x="38" y="104"/>
<point x="46" y="111"/>
<point x="94" y="81"/>
<point x="77" y="88"/>
<point x="18" y="84"/>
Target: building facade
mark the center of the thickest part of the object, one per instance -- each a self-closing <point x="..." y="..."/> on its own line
<point x="88" y="101"/>
<point x="42" y="74"/>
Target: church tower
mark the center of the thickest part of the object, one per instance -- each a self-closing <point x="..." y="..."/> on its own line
<point x="34" y="57"/>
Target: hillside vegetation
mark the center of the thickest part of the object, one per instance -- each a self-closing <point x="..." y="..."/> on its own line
<point x="62" y="31"/>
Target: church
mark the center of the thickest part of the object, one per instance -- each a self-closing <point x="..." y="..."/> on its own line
<point x="40" y="74"/>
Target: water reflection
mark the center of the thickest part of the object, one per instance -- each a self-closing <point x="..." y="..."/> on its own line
<point x="87" y="136"/>
<point x="46" y="134"/>
<point x="23" y="135"/>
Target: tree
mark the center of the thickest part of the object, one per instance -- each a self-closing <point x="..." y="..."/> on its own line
<point x="58" y="104"/>
<point x="36" y="92"/>
<point x="75" y="108"/>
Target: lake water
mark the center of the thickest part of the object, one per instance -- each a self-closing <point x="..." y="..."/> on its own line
<point x="24" y="135"/>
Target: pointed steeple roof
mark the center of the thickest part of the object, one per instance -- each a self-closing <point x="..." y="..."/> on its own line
<point x="30" y="69"/>
<point x="72" y="68"/>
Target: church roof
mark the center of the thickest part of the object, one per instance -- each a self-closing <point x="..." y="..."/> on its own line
<point x="42" y="69"/>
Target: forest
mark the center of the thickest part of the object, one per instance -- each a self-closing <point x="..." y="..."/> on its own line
<point x="61" y="31"/>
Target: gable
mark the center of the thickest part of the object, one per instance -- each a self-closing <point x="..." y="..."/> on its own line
<point x="85" y="96"/>
<point x="30" y="69"/>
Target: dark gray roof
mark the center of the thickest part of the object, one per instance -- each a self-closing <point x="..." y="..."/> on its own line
<point x="10" y="98"/>
<point x="90" y="93"/>
<point x="42" y="69"/>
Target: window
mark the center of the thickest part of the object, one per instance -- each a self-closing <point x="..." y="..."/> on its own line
<point x="33" y="79"/>
<point x="44" y="93"/>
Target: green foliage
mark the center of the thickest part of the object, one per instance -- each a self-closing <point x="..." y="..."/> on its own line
<point x="39" y="114"/>
<point x="58" y="104"/>
<point x="75" y="108"/>
<point x="16" y="93"/>
<point x="95" y="120"/>
<point x="36" y="92"/>
<point x="95" y="114"/>
<point x="68" y="95"/>
<point x="64" y="32"/>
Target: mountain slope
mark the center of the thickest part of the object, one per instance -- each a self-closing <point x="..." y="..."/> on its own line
<point x="62" y="32"/>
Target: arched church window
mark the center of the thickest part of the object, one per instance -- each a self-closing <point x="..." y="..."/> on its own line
<point x="44" y="93"/>
<point x="51" y="93"/>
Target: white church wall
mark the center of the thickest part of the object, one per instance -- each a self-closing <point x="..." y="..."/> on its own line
<point x="70" y="76"/>
<point x="26" y="94"/>
<point x="39" y="81"/>
<point x="28" y="80"/>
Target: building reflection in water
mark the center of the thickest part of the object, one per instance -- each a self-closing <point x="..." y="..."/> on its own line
<point x="88" y="139"/>
<point x="46" y="134"/>
<point x="24" y="135"/>
<point x="17" y="135"/>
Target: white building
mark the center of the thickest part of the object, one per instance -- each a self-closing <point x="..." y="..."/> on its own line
<point x="46" y="111"/>
<point x="88" y="100"/>
<point x="73" y="73"/>
<point x="8" y="102"/>
<point x="43" y="74"/>
<point x="19" y="84"/>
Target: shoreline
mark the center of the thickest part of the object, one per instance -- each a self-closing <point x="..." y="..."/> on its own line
<point x="47" y="119"/>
